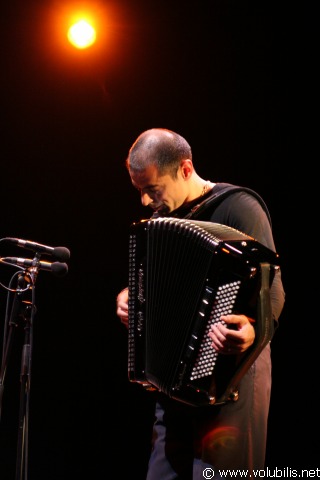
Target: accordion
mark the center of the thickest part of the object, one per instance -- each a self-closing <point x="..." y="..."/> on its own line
<point x="183" y="275"/>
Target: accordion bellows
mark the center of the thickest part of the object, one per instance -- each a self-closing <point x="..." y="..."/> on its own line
<point x="183" y="275"/>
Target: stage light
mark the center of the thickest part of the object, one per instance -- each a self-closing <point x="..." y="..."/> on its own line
<point x="81" y="34"/>
<point x="88" y="37"/>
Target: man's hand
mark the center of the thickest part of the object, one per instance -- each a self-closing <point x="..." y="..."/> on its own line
<point x="122" y="306"/>
<point x="233" y="335"/>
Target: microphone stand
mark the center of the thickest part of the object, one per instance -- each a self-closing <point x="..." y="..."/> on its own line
<point x="25" y="378"/>
<point x="25" y="310"/>
<point x="13" y="324"/>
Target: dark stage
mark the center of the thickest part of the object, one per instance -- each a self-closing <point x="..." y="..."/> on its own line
<point x="233" y="79"/>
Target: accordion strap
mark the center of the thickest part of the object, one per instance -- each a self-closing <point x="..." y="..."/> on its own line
<point x="224" y="189"/>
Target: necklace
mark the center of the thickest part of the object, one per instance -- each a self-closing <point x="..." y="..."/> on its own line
<point x="205" y="188"/>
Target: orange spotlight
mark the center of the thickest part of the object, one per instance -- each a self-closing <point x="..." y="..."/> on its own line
<point x="82" y="34"/>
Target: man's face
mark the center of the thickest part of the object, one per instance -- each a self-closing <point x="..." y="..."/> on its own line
<point x="161" y="193"/>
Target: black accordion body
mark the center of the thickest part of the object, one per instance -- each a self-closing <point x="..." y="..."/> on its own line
<point x="183" y="275"/>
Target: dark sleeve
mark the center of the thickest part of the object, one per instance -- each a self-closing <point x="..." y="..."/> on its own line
<point x="244" y="212"/>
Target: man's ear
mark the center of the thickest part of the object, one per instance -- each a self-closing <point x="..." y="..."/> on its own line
<point x="186" y="166"/>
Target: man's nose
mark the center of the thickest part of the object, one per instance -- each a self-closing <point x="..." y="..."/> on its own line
<point x="145" y="199"/>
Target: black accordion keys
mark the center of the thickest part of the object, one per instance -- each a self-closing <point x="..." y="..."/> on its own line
<point x="183" y="275"/>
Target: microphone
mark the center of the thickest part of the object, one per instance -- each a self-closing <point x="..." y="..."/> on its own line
<point x="57" y="268"/>
<point x="60" y="253"/>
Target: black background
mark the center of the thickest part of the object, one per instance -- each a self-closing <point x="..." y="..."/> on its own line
<point x="234" y="78"/>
